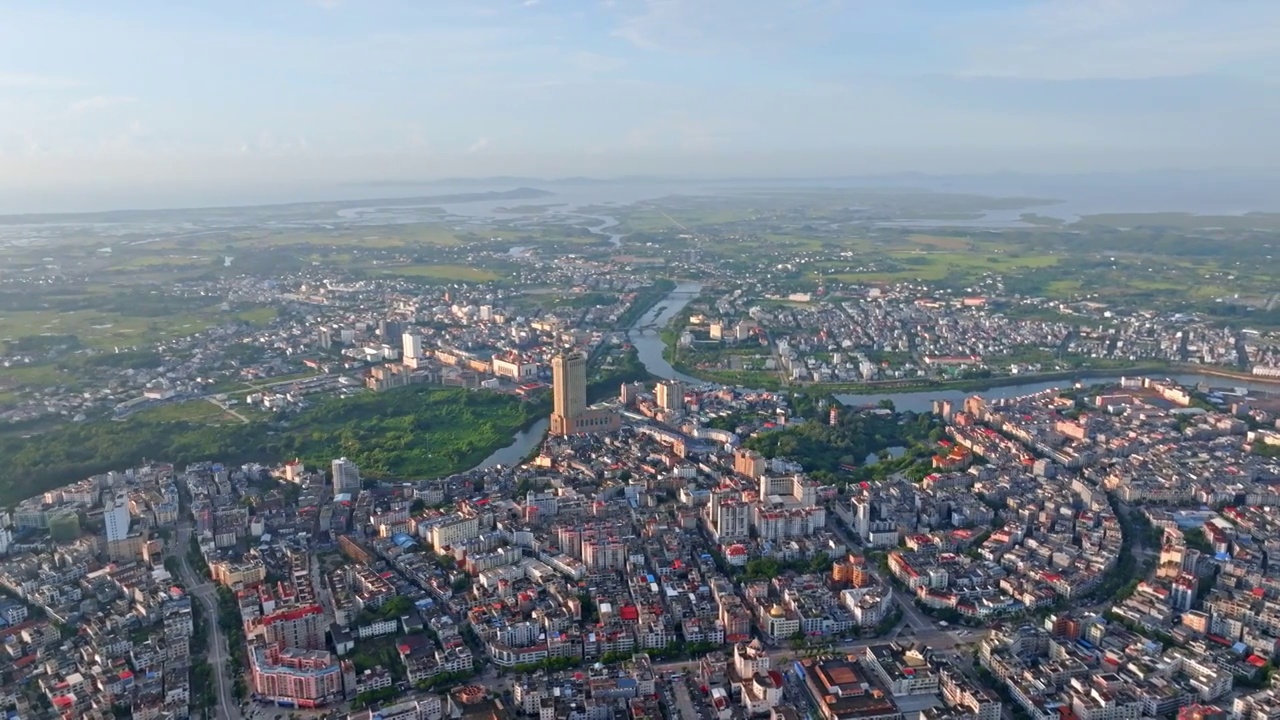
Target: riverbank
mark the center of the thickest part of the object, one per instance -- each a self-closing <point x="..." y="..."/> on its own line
<point x="1224" y="373"/>
<point x="527" y="442"/>
<point x="980" y="384"/>
<point x="769" y="381"/>
<point x="766" y="381"/>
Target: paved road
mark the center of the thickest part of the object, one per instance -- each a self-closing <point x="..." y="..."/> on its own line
<point x="910" y="613"/>
<point x="228" y="708"/>
<point x="684" y="703"/>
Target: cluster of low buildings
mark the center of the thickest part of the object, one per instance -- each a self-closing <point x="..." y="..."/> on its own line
<point x="93" y="620"/>
<point x="611" y="552"/>
<point x="906" y="330"/>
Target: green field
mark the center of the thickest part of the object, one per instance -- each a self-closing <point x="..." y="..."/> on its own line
<point x="98" y="329"/>
<point x="194" y="411"/>
<point x="934" y="266"/>
<point x="135" y="260"/>
<point x="440" y="272"/>
<point x="33" y="376"/>
<point x="258" y="316"/>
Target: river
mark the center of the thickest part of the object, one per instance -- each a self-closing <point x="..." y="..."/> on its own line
<point x="646" y="333"/>
<point x="523" y="443"/>
<point x="606" y="224"/>
<point x="643" y="335"/>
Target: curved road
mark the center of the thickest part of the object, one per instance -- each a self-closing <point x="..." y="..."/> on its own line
<point x="228" y="708"/>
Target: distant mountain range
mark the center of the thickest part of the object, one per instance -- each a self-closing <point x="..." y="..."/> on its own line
<point x="1193" y="191"/>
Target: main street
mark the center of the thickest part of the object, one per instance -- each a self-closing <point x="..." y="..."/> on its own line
<point x="910" y="613"/>
<point x="228" y="708"/>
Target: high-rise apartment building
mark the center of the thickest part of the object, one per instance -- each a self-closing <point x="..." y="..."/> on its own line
<point x="569" y="413"/>
<point x="346" y="476"/>
<point x="300" y="678"/>
<point x="670" y="395"/>
<point x="749" y="463"/>
<point x="116" y="517"/>
<point x="728" y="517"/>
<point x="388" y="329"/>
<point x="299" y="626"/>
<point x="412" y="346"/>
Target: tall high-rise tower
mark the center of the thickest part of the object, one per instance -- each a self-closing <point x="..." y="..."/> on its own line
<point x="670" y="395"/>
<point x="569" y="388"/>
<point x="412" y="345"/>
<point x="346" y="476"/>
<point x="116" y="517"/>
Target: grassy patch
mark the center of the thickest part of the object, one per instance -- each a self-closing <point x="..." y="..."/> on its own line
<point x="1062" y="288"/>
<point x="132" y="260"/>
<point x="258" y="316"/>
<point x="441" y="272"/>
<point x="196" y="411"/>
<point x="941" y="241"/>
<point x="934" y="266"/>
<point x="33" y="376"/>
<point x="98" y="329"/>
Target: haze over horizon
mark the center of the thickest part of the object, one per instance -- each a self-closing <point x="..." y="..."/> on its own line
<point x="123" y="105"/>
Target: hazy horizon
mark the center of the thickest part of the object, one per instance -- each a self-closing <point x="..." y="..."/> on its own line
<point x="122" y="106"/>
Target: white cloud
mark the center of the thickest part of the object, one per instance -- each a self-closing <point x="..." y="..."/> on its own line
<point x="479" y="146"/>
<point x="100" y="102"/>
<point x="531" y="3"/>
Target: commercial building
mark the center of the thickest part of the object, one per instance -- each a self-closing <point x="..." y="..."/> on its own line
<point x="302" y="678"/>
<point x="905" y="671"/>
<point x="840" y="690"/>
<point x="514" y="368"/>
<point x="570" y="415"/>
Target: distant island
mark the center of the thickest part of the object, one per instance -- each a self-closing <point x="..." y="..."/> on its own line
<point x="279" y="211"/>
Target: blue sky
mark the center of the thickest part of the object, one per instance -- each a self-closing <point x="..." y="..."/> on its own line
<point x="290" y="91"/>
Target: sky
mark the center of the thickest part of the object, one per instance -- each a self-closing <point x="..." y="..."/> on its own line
<point x="131" y="96"/>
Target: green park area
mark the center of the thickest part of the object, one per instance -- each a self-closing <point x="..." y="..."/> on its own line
<point x="413" y="432"/>
<point x="837" y="453"/>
